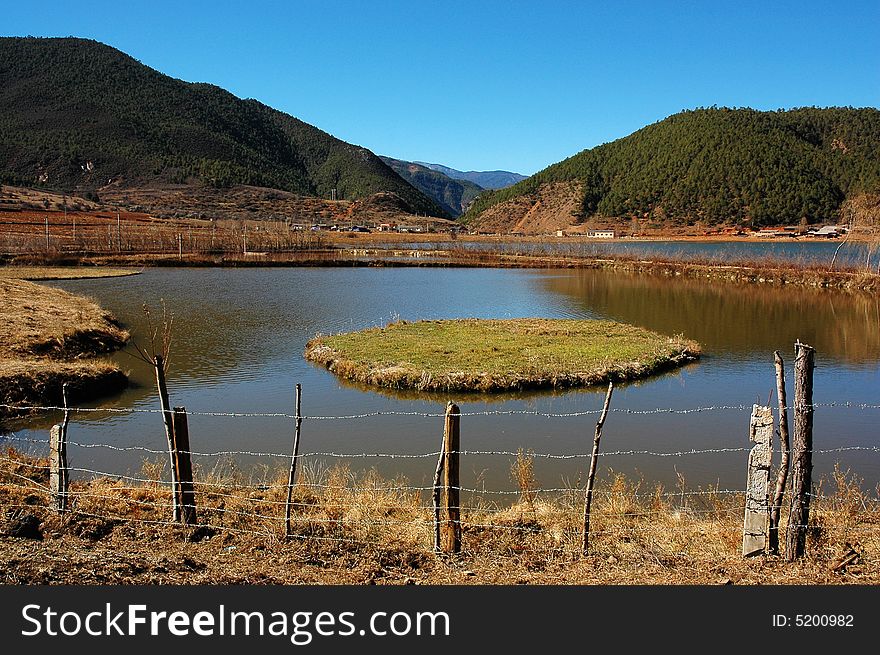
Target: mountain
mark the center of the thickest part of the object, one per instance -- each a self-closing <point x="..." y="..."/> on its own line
<point x="714" y="166"/>
<point x="77" y="115"/>
<point x="484" y="179"/>
<point x="453" y="195"/>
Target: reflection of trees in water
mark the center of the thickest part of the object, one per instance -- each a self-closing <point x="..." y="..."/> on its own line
<point x="227" y="323"/>
<point x="737" y="318"/>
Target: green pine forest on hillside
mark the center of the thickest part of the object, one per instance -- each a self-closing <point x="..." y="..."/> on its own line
<point x="76" y="115"/>
<point x="67" y="102"/>
<point x="454" y="196"/>
<point x="718" y="165"/>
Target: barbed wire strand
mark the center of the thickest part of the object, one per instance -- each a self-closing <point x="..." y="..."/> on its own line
<point x="400" y="488"/>
<point x="362" y="455"/>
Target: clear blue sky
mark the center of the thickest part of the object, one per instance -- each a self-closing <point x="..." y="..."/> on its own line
<point x="485" y="84"/>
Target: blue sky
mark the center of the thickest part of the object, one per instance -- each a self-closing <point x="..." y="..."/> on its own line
<point x="491" y="85"/>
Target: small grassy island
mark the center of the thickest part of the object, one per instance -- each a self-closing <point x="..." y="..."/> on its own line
<point x="499" y="355"/>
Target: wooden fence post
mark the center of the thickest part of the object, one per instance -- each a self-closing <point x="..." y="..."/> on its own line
<point x="186" y="498"/>
<point x="291" y="477"/>
<point x="782" y="476"/>
<point x="438" y="492"/>
<point x="159" y="365"/>
<point x="450" y="523"/>
<point x="756" y="523"/>
<point x="59" y="475"/>
<point x="802" y="453"/>
<point x="594" y="458"/>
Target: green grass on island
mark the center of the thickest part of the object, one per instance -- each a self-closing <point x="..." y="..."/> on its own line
<point x="499" y="355"/>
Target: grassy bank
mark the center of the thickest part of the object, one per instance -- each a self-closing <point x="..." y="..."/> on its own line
<point x="37" y="273"/>
<point x="49" y="337"/>
<point x="499" y="355"/>
<point x="361" y="529"/>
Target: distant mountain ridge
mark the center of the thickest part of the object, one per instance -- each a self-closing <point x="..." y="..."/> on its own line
<point x="714" y="166"/>
<point x="78" y="115"/>
<point x="453" y="195"/>
<point x="484" y="179"/>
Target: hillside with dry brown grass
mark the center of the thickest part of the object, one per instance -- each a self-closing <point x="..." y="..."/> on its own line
<point x="549" y="208"/>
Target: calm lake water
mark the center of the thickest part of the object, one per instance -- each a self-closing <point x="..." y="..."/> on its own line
<point x="239" y="335"/>
<point x="814" y="252"/>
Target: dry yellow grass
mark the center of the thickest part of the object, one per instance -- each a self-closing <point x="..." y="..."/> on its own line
<point x="357" y="528"/>
<point x="64" y="272"/>
<point x="49" y="337"/>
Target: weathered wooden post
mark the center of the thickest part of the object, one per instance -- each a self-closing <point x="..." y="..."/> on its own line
<point x="185" y="491"/>
<point x="782" y="475"/>
<point x="167" y="418"/>
<point x="59" y="475"/>
<point x="756" y="523"/>
<point x="437" y="493"/>
<point x="291" y="476"/>
<point x="450" y="521"/>
<point x="802" y="453"/>
<point x="594" y="459"/>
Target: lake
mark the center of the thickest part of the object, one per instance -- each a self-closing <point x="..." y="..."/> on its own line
<point x="852" y="253"/>
<point x="239" y="334"/>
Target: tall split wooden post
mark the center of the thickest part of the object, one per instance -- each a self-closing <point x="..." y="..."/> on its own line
<point x="291" y="477"/>
<point x="802" y="453"/>
<point x="186" y="496"/>
<point x="756" y="524"/>
<point x="591" y="477"/>
<point x="447" y="514"/>
<point x="167" y="418"/>
<point x="59" y="475"/>
<point x="782" y="475"/>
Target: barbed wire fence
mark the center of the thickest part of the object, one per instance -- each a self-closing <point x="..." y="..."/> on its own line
<point x="341" y="509"/>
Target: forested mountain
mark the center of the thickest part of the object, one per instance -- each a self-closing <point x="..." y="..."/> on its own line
<point x="734" y="166"/>
<point x="76" y="114"/>
<point x="483" y="179"/>
<point x="455" y="196"/>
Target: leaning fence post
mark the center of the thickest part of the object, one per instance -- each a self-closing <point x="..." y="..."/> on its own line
<point x="167" y="418"/>
<point x="448" y="530"/>
<point x="186" y="498"/>
<point x="594" y="458"/>
<point x="782" y="476"/>
<point x="437" y="492"/>
<point x="802" y="453"/>
<point x="756" y="523"/>
<point x="291" y="477"/>
<point x="59" y="475"/>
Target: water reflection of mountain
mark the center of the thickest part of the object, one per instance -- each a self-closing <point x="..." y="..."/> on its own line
<point x="732" y="318"/>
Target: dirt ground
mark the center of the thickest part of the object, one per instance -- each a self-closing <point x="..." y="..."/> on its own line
<point x="361" y="529"/>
